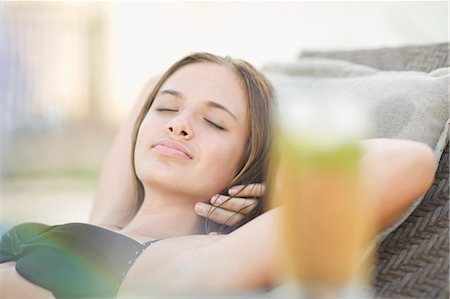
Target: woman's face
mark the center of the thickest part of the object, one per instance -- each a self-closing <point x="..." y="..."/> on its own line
<point x="192" y="138"/>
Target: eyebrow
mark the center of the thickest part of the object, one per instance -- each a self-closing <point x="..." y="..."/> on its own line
<point x="171" y="92"/>
<point x="208" y="103"/>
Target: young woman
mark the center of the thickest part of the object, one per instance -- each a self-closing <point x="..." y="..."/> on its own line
<point x="205" y="127"/>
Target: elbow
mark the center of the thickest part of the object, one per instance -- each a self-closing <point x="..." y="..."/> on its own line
<point x="407" y="174"/>
<point x="425" y="166"/>
<point x="418" y="169"/>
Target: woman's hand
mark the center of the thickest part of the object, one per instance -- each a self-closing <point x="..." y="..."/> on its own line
<point x="230" y="209"/>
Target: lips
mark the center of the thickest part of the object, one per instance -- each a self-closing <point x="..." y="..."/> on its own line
<point x="172" y="148"/>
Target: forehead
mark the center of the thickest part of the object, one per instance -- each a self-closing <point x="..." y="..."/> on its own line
<point x="208" y="81"/>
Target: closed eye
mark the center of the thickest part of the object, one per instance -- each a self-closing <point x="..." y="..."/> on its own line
<point x="166" y="110"/>
<point x="214" y="124"/>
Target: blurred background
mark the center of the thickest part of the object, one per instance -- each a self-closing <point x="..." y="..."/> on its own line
<point x="71" y="71"/>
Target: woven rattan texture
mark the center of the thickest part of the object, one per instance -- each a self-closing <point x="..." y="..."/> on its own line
<point x="413" y="260"/>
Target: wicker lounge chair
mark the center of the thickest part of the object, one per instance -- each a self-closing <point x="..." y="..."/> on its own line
<point x="413" y="260"/>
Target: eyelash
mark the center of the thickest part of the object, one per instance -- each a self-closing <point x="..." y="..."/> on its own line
<point x="166" y="110"/>
<point x="216" y="126"/>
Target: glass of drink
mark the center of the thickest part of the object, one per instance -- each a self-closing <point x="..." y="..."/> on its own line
<point x="326" y="224"/>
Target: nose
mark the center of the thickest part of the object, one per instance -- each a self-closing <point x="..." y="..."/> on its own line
<point x="179" y="126"/>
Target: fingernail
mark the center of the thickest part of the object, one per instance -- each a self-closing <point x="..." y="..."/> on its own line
<point x="200" y="208"/>
<point x="233" y="191"/>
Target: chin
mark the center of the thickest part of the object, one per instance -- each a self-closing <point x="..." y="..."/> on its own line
<point x="178" y="185"/>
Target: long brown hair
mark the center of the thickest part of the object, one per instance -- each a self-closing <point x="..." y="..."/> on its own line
<point x="254" y="162"/>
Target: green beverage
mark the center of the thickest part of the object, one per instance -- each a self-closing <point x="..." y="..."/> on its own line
<point x="326" y="223"/>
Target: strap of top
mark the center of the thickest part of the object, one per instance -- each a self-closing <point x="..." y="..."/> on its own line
<point x="146" y="244"/>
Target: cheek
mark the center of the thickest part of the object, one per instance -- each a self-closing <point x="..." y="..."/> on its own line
<point x="225" y="155"/>
<point x="149" y="127"/>
<point x="146" y="134"/>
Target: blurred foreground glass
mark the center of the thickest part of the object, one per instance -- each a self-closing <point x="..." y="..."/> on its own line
<point x="327" y="224"/>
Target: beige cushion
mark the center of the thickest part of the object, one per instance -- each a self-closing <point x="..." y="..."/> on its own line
<point x="400" y="104"/>
<point x="405" y="105"/>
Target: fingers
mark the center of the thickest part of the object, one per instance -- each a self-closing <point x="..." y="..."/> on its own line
<point x="234" y="204"/>
<point x="230" y="210"/>
<point x="217" y="214"/>
<point x="252" y="190"/>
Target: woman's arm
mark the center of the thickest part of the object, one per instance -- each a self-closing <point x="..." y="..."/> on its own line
<point x="396" y="171"/>
<point x="115" y="197"/>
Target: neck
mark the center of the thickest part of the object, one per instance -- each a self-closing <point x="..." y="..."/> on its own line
<point x="164" y="215"/>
